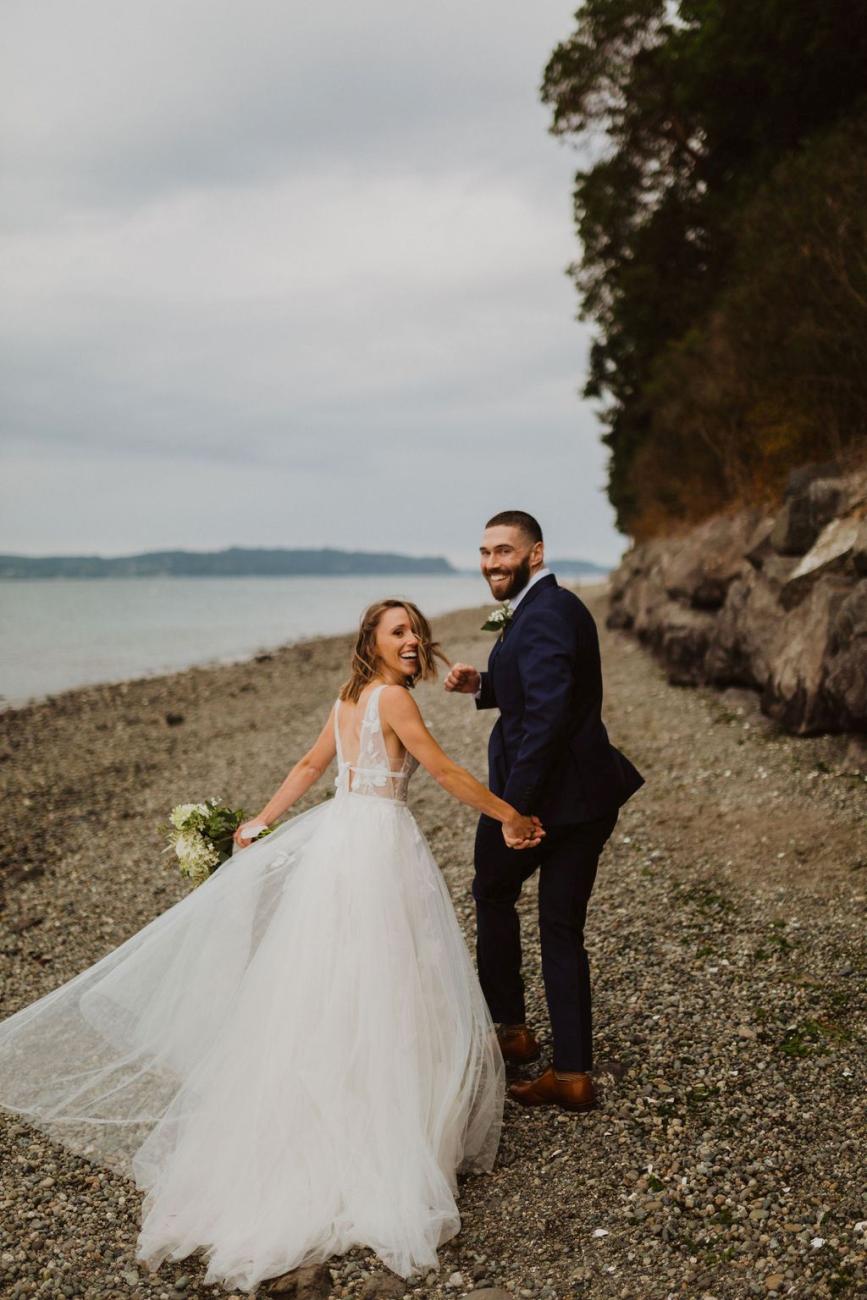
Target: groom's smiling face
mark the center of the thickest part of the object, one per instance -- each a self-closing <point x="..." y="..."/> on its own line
<point x="508" y="560"/>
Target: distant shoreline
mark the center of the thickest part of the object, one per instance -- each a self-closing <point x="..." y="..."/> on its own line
<point x="246" y="562"/>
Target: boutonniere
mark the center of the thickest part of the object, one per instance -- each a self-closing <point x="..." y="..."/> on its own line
<point x="498" y="618"/>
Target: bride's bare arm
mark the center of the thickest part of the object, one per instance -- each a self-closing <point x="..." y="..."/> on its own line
<point x="304" y="774"/>
<point x="398" y="708"/>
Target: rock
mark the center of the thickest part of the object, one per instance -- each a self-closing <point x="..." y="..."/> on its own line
<point x="383" y="1286"/>
<point x="310" y="1283"/>
<point x="682" y="644"/>
<point x="855" y="757"/>
<point x="804" y="515"/>
<point x="700" y="570"/>
<point x="793" y="693"/>
<point x="491" y="1293"/>
<point x="774" y="1281"/>
<point x="846" y="680"/>
<point x="829" y="553"/>
<point x="25" y="923"/>
<point x="455" y="1281"/>
<point x="617" y="1070"/>
<point x="749" y="601"/>
<point x="174" y="719"/>
<point x="637" y="590"/>
<point x="744" y="631"/>
<point x="859" y="549"/>
<point x="802" y="476"/>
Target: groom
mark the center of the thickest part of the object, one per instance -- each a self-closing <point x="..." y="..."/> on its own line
<point x="549" y="755"/>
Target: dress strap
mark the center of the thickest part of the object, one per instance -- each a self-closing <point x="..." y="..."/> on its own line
<point x="337" y="732"/>
<point x="373" y="701"/>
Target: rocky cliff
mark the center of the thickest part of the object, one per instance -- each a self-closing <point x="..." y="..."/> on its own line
<point x="775" y="601"/>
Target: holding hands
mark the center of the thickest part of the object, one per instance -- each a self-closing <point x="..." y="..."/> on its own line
<point x="523" y="832"/>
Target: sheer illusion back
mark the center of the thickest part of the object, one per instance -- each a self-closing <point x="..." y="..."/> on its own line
<point x="369" y="772"/>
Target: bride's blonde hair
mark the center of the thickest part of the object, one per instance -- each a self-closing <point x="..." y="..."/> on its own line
<point x="365" y="665"/>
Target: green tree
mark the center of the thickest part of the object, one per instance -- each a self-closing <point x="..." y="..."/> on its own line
<point x="680" y="111"/>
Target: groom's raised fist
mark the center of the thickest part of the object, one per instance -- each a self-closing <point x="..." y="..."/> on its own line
<point x="463" y="677"/>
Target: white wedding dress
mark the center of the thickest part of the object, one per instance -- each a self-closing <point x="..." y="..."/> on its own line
<point x="294" y="1059"/>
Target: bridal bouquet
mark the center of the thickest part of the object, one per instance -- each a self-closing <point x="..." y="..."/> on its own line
<point x="201" y="836"/>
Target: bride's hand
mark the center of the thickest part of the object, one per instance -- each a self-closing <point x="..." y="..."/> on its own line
<point x="247" y="832"/>
<point x="523" y="832"/>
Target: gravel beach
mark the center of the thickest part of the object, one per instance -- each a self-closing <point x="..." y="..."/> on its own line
<point x="725" y="936"/>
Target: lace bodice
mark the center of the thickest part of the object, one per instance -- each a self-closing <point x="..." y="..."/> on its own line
<point x="370" y="773"/>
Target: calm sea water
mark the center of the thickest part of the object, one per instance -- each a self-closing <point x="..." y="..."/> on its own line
<point x="58" y="633"/>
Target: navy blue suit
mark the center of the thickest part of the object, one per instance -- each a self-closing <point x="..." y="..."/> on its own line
<point x="548" y="754"/>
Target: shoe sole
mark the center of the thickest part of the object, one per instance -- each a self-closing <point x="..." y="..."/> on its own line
<point x="580" y="1107"/>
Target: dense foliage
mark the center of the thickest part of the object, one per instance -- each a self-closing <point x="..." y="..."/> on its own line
<point x="720" y="208"/>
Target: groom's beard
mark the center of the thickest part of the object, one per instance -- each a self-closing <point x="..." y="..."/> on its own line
<point x="520" y="578"/>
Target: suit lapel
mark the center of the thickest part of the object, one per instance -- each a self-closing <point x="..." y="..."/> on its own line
<point x="548" y="581"/>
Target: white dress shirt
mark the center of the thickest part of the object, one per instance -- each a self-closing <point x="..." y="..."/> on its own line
<point x="514" y="601"/>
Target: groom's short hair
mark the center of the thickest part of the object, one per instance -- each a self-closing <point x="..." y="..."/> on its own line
<point x="517" y="519"/>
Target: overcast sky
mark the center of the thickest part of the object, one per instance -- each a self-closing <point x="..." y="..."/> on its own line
<point x="288" y="274"/>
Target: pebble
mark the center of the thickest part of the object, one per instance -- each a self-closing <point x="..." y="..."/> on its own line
<point x="717" y="1157"/>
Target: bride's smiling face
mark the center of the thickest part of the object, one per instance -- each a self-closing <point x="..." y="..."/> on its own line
<point x="397" y="645"/>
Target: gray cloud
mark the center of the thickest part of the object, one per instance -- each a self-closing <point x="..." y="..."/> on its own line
<point x="284" y="274"/>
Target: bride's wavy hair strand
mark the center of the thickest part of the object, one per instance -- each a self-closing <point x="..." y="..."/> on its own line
<point x="364" y="664"/>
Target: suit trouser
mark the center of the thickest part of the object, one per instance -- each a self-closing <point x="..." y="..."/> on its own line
<point x="567" y="859"/>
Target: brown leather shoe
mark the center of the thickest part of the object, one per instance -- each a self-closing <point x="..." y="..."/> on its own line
<point x="518" y="1044"/>
<point x="548" y="1090"/>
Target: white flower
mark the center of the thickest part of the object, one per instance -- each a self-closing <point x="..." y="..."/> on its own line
<point x="196" y="855"/>
<point x="181" y="814"/>
<point x="498" y="618"/>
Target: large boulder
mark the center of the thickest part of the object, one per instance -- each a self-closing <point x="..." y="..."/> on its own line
<point x="774" y="604"/>
<point x="699" y="568"/>
<point x="794" y="692"/>
<point x="829" y="553"/>
<point x="802" y="476"/>
<point x="859" y="549"/>
<point x="638" y="590"/>
<point x="805" y="514"/>
<point x="745" y="630"/>
<point x="682" y="641"/>
<point x="846" y="680"/>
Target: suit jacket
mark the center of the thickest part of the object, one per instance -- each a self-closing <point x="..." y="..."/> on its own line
<point x="549" y="752"/>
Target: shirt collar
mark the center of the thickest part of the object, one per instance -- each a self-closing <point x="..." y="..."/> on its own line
<point x="514" y="601"/>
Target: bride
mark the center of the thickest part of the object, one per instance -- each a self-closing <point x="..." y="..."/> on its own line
<point x="296" y="1058"/>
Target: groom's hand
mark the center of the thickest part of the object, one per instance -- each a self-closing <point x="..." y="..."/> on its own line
<point x="463" y="678"/>
<point x="523" y="832"/>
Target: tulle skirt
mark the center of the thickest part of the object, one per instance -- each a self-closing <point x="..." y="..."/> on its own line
<point x="293" y="1060"/>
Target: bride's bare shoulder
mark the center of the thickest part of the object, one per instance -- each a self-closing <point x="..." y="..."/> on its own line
<point x="397" y="702"/>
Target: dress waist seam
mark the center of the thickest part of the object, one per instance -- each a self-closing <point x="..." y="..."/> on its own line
<point x="377" y="798"/>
